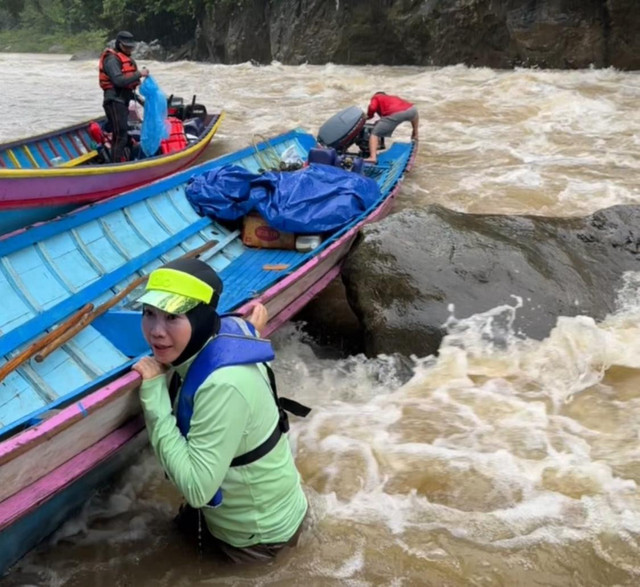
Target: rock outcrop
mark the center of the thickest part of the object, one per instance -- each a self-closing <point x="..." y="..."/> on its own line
<point x="411" y="271"/>
<point x="493" y="33"/>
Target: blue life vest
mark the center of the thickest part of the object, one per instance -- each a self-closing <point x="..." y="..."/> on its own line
<point x="235" y="344"/>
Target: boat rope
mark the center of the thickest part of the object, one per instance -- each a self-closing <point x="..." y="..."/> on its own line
<point x="268" y="157"/>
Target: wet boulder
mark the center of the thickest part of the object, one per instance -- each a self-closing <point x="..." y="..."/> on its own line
<point x="413" y="271"/>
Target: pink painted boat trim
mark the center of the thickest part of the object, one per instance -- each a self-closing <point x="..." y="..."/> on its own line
<point x="301" y="301"/>
<point x="79" y="409"/>
<point x="30" y="498"/>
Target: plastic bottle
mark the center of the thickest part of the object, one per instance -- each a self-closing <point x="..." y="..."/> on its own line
<point x="307" y="242"/>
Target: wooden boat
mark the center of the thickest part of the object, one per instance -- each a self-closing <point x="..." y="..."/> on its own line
<point x="48" y="174"/>
<point x="69" y="421"/>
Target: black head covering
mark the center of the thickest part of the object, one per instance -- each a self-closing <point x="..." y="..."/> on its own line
<point x="126" y="39"/>
<point x="204" y="319"/>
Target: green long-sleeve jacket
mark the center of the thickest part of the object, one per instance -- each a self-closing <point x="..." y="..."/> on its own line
<point x="234" y="412"/>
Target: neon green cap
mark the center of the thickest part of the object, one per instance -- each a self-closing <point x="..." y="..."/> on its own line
<point x="175" y="292"/>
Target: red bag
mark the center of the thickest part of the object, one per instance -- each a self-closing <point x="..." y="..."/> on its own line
<point x="176" y="140"/>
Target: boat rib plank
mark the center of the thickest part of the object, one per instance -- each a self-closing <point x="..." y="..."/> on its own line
<point x="43" y="154"/>
<point x="29" y="154"/>
<point x="53" y="147"/>
<point x="63" y="139"/>
<point x="13" y="159"/>
<point x="59" y="311"/>
<point x="165" y="213"/>
<point x="18" y="287"/>
<point x="42" y="251"/>
<point x="124" y="240"/>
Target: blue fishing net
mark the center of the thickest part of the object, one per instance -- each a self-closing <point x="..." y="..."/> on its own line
<point x="154" y="124"/>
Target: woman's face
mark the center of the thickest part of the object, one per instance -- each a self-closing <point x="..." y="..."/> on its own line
<point x="167" y="334"/>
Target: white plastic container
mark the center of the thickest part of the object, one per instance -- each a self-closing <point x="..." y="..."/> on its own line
<point x="307" y="242"/>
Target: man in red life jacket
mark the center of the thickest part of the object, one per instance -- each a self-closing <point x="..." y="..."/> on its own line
<point x="392" y="111"/>
<point x="118" y="77"/>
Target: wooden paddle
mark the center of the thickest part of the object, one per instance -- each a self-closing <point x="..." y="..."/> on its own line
<point x="43" y="347"/>
<point x="32" y="349"/>
<point x="87" y="319"/>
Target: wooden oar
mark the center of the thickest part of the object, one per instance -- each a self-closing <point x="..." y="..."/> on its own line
<point x="52" y="345"/>
<point x="32" y="349"/>
<point x="88" y="318"/>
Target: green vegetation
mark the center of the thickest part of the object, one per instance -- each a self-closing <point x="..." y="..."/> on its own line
<point x="25" y="41"/>
<point x="74" y="25"/>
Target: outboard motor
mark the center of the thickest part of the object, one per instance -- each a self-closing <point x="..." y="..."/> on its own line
<point x="347" y="128"/>
<point x="342" y="129"/>
<point x="362" y="141"/>
<point x="176" y="107"/>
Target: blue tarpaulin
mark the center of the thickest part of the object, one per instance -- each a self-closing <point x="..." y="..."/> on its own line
<point x="154" y="124"/>
<point x="318" y="198"/>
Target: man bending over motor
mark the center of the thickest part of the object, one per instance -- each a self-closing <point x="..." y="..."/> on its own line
<point x="392" y="111"/>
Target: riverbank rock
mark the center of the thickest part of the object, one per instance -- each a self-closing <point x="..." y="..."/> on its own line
<point x="412" y="271"/>
<point x="494" y="33"/>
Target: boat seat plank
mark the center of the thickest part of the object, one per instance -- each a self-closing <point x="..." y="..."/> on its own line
<point x="247" y="276"/>
<point x="80" y="159"/>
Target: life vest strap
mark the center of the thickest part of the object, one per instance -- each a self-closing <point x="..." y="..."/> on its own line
<point x="294" y="407"/>
<point x="260" y="451"/>
<point x="282" y="427"/>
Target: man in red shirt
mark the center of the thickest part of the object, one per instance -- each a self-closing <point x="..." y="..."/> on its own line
<point x="392" y="111"/>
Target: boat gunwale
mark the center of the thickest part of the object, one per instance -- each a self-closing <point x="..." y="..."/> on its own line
<point x="111" y="169"/>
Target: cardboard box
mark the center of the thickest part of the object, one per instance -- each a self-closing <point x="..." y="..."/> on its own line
<point x="257" y="233"/>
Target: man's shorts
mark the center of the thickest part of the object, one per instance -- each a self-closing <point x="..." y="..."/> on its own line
<point x="386" y="125"/>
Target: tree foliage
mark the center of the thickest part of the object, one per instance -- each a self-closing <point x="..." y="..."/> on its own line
<point x="60" y="16"/>
<point x="173" y="21"/>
